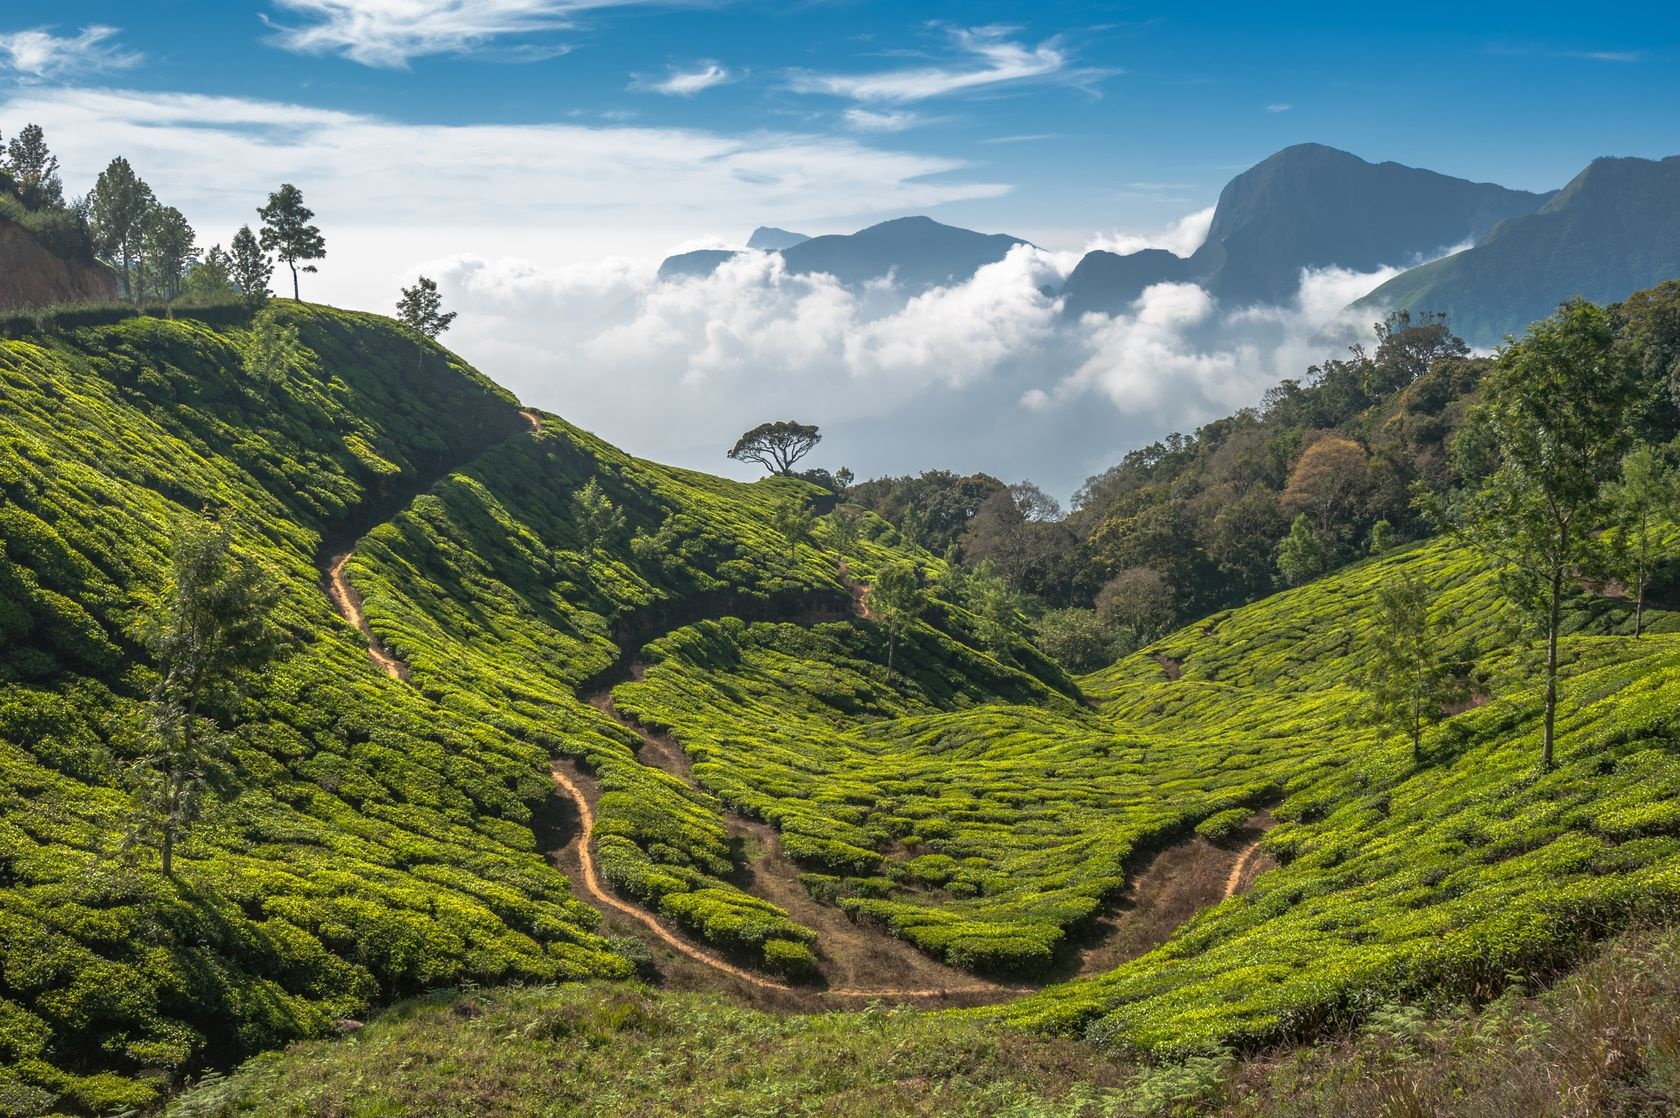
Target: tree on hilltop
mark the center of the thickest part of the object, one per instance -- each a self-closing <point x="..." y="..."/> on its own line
<point x="287" y="232"/>
<point x="117" y="211"/>
<point x="33" y="169"/>
<point x="421" y="309"/>
<point x="776" y="446"/>
<point x="250" y="267"/>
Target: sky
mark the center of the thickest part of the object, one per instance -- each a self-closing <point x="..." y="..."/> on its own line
<point x="540" y="156"/>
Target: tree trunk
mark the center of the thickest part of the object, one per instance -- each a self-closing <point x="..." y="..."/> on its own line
<point x="1639" y="612"/>
<point x="1552" y="621"/>
<point x="296" y="298"/>
<point x="168" y="850"/>
<point x="892" y="646"/>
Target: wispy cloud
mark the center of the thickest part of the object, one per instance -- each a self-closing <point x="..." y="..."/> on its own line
<point x="1510" y="50"/>
<point x="684" y="83"/>
<point x="1030" y="138"/>
<point x="890" y="120"/>
<point x="989" y="57"/>
<point x="37" y="54"/>
<point x="391" y="33"/>
<point x="1279" y="107"/>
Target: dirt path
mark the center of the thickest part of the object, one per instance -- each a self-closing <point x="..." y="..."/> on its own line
<point x="859" y="961"/>
<point x="1246" y="869"/>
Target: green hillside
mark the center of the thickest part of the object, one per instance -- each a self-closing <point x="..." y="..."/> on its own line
<point x="703" y="695"/>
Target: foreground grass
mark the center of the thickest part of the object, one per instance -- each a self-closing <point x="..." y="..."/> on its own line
<point x="1605" y="1040"/>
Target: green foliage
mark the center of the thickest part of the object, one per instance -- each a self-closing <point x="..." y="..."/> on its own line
<point x="421" y="309"/>
<point x="288" y="232"/>
<point x="1411" y="677"/>
<point x="1300" y="556"/>
<point x="1221" y="825"/>
<point x="777" y="445"/>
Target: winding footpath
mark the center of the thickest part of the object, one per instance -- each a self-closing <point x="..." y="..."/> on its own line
<point x="347" y="603"/>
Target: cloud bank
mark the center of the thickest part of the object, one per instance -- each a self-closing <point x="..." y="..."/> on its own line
<point x="989" y="375"/>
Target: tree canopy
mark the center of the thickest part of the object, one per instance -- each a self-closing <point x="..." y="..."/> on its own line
<point x="776" y="446"/>
<point x="287" y="232"/>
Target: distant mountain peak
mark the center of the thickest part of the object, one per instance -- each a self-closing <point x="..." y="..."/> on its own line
<point x="767" y="238"/>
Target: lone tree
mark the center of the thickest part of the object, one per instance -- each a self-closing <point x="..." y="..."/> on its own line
<point x="249" y="267"/>
<point x="1411" y="678"/>
<point x="794" y="521"/>
<point x="776" y="446"/>
<point x="598" y="519"/>
<point x="117" y="211"/>
<point x="1555" y="416"/>
<point x="421" y="309"/>
<point x="1642" y="500"/>
<point x="209" y="633"/>
<point x="896" y="600"/>
<point x="287" y="232"/>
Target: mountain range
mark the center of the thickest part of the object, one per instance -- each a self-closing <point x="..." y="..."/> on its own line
<point x="1492" y="257"/>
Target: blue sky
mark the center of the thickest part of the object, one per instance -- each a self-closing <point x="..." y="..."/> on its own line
<point x="1123" y="115"/>
<point x="540" y="156"/>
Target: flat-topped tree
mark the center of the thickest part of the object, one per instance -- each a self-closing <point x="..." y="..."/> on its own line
<point x="287" y="232"/>
<point x="776" y="446"/>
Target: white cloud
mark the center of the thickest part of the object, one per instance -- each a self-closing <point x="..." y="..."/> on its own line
<point x="893" y="120"/>
<point x="39" y="55"/>
<point x="390" y="33"/>
<point x="218" y="157"/>
<point x="984" y="375"/>
<point x="1181" y="237"/>
<point x="991" y="59"/>
<point x="684" y="83"/>
<point x="1279" y="107"/>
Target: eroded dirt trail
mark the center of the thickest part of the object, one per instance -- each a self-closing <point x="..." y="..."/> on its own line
<point x="859" y="961"/>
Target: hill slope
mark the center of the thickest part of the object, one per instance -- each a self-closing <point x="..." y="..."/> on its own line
<point x="33" y="275"/>
<point x="1614" y="230"/>
<point x="762" y="790"/>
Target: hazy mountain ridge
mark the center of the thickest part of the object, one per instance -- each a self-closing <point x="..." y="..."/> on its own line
<point x="1613" y="230"/>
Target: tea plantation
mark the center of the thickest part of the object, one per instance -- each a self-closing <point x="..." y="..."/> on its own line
<point x="372" y="839"/>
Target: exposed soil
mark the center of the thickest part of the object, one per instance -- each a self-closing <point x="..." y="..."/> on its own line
<point x="1170" y="667"/>
<point x="31" y="275"/>
<point x="1170" y="887"/>
<point x="859" y="961"/>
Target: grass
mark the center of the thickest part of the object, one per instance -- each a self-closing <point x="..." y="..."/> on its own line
<point x="1604" y="1041"/>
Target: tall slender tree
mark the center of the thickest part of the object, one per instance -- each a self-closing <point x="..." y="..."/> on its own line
<point x="1555" y="413"/>
<point x="1643" y="500"/>
<point x="249" y="267"/>
<point x="287" y="232"/>
<point x="1411" y="677"/>
<point x="209" y="632"/>
<point x="117" y="211"/>
<point x="895" y="601"/>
